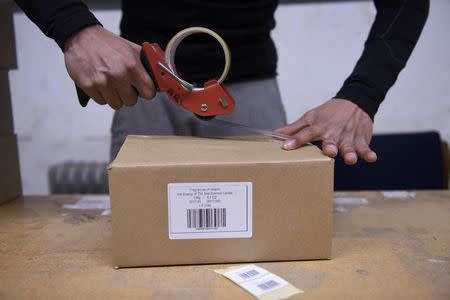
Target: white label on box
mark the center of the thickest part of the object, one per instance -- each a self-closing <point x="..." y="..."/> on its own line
<point x="210" y="210"/>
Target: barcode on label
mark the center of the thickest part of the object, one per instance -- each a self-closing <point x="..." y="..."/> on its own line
<point x="249" y="274"/>
<point x="258" y="281"/>
<point x="206" y="218"/>
<point x="268" y="285"/>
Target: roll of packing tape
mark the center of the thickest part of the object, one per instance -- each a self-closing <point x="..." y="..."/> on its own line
<point x="180" y="36"/>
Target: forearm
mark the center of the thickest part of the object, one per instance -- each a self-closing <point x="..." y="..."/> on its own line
<point x="391" y="40"/>
<point x="58" y="19"/>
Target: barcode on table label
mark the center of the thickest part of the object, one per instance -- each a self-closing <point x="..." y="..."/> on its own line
<point x="264" y="284"/>
<point x="205" y="218"/>
<point x="249" y="274"/>
<point x="268" y="285"/>
<point x="258" y="281"/>
<point x="246" y="273"/>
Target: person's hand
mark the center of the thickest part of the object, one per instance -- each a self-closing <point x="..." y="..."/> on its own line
<point x="107" y="67"/>
<point x="341" y="126"/>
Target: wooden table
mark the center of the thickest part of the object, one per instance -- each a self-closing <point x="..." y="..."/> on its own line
<point x="383" y="248"/>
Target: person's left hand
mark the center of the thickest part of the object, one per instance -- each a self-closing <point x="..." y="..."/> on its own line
<point x="341" y="126"/>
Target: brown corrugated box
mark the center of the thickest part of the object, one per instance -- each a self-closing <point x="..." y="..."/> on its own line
<point x="278" y="203"/>
<point x="6" y="118"/>
<point x="10" y="184"/>
<point x="8" y="44"/>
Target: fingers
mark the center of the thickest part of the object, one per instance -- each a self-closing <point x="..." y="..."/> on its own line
<point x="112" y="98"/>
<point x="110" y="90"/>
<point x="329" y="148"/>
<point x="365" y="152"/>
<point x="95" y="95"/>
<point x="343" y="128"/>
<point x="293" y="128"/>
<point x="302" y="137"/>
<point x="143" y="83"/>
<point x="348" y="153"/>
<point x="116" y="95"/>
<point x="141" y="80"/>
<point x="110" y="70"/>
<point x="127" y="94"/>
<point x="355" y="144"/>
<point x="371" y="157"/>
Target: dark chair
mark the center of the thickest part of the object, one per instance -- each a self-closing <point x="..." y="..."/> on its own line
<point x="413" y="161"/>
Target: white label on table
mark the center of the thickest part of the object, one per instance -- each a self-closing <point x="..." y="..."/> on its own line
<point x="210" y="210"/>
<point x="260" y="282"/>
<point x="90" y="202"/>
<point x="399" y="194"/>
<point x="245" y="273"/>
<point x="265" y="284"/>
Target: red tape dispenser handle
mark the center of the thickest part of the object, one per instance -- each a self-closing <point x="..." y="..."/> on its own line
<point x="206" y="102"/>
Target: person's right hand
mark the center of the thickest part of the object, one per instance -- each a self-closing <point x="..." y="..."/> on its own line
<point x="107" y="67"/>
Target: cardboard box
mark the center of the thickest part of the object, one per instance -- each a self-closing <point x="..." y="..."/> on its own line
<point x="10" y="183"/>
<point x="187" y="200"/>
<point x="6" y="118"/>
<point x="8" y="44"/>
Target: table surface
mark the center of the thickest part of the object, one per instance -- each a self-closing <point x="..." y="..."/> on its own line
<point x="383" y="248"/>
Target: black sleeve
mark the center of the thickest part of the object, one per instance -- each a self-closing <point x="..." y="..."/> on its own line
<point x="391" y="40"/>
<point x="58" y="19"/>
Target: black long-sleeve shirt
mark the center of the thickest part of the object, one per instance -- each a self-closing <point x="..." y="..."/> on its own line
<point x="245" y="26"/>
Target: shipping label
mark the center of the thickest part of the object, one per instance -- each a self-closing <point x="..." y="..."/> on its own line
<point x="210" y="210"/>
